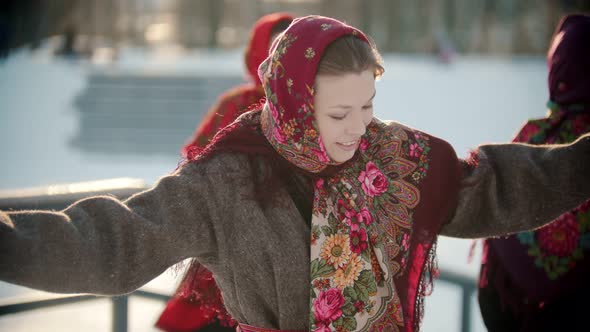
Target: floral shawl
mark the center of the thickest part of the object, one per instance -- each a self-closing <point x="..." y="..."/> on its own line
<point x="375" y="219"/>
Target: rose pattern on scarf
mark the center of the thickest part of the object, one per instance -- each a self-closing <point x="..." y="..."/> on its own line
<point x="358" y="240"/>
<point x="328" y="308"/>
<point x="419" y="149"/>
<point x="374" y="183"/>
<point x="560" y="238"/>
<point x="557" y="247"/>
<point x="380" y="180"/>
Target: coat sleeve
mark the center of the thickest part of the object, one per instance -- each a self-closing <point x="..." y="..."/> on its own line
<point x="104" y="246"/>
<point x="516" y="187"/>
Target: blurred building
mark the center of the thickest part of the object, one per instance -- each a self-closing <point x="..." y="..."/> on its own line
<point x="472" y="26"/>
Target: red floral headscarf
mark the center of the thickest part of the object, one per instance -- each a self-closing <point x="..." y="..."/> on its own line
<point x="288" y="77"/>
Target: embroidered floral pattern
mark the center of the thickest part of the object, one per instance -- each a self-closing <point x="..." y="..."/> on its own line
<point x="290" y="127"/>
<point x="348" y="274"/>
<point x="377" y="244"/>
<point x="558" y="246"/>
<point x="336" y="250"/>
<point x="419" y="148"/>
<point x="328" y="308"/>
<point x="373" y="182"/>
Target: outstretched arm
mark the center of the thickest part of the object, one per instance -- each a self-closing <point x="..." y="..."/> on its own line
<point x="518" y="187"/>
<point x="104" y="246"/>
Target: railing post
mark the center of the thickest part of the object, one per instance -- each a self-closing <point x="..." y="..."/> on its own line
<point x="120" y="313"/>
<point x="466" y="309"/>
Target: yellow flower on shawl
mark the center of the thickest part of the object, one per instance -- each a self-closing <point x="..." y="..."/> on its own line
<point x="349" y="273"/>
<point x="336" y="250"/>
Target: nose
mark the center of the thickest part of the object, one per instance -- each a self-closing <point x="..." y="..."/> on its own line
<point x="357" y="126"/>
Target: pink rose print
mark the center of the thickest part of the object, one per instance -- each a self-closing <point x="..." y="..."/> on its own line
<point x="342" y="204"/>
<point x="374" y="183"/>
<point x="273" y="111"/>
<point x="322" y="328"/>
<point x="405" y="243"/>
<point x="415" y="150"/>
<point x="276" y="132"/>
<point x="364" y="144"/>
<point x="322" y="155"/>
<point x="328" y="308"/>
<point x="560" y="238"/>
<point x="278" y="135"/>
<point x="358" y="240"/>
<point x="365" y="217"/>
<point x="352" y="219"/>
<point x="319" y="184"/>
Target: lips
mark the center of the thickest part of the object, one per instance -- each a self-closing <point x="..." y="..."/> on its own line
<point x="348" y="146"/>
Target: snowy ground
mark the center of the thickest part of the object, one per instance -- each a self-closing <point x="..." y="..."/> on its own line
<point x="473" y="100"/>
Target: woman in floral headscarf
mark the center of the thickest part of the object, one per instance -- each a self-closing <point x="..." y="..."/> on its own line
<point x="237" y="100"/>
<point x="312" y="214"/>
<point x="537" y="281"/>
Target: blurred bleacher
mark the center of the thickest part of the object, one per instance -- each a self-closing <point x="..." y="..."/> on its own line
<point x="138" y="113"/>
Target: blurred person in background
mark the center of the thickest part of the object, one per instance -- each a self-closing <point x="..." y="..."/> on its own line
<point x="197" y="304"/>
<point x="235" y="101"/>
<point x="311" y="213"/>
<point x="538" y="280"/>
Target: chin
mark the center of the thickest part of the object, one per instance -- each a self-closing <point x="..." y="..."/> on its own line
<point x="342" y="159"/>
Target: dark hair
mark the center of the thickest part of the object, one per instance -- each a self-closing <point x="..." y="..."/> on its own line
<point x="350" y="54"/>
<point x="280" y="26"/>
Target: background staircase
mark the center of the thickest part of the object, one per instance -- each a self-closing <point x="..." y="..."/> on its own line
<point x="131" y="113"/>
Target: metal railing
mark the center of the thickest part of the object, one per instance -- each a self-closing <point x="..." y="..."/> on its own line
<point x="60" y="196"/>
<point x="120" y="304"/>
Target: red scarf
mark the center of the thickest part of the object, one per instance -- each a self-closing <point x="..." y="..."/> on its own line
<point x="237" y="100"/>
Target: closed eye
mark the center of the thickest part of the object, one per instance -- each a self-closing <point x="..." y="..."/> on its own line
<point x="338" y="117"/>
<point x="368" y="107"/>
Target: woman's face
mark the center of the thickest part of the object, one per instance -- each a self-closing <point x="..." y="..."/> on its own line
<point x="343" y="107"/>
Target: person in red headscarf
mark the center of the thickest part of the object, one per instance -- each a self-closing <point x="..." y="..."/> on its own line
<point x="237" y="100"/>
<point x="312" y="214"/>
<point x="538" y="280"/>
<point x="197" y="304"/>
